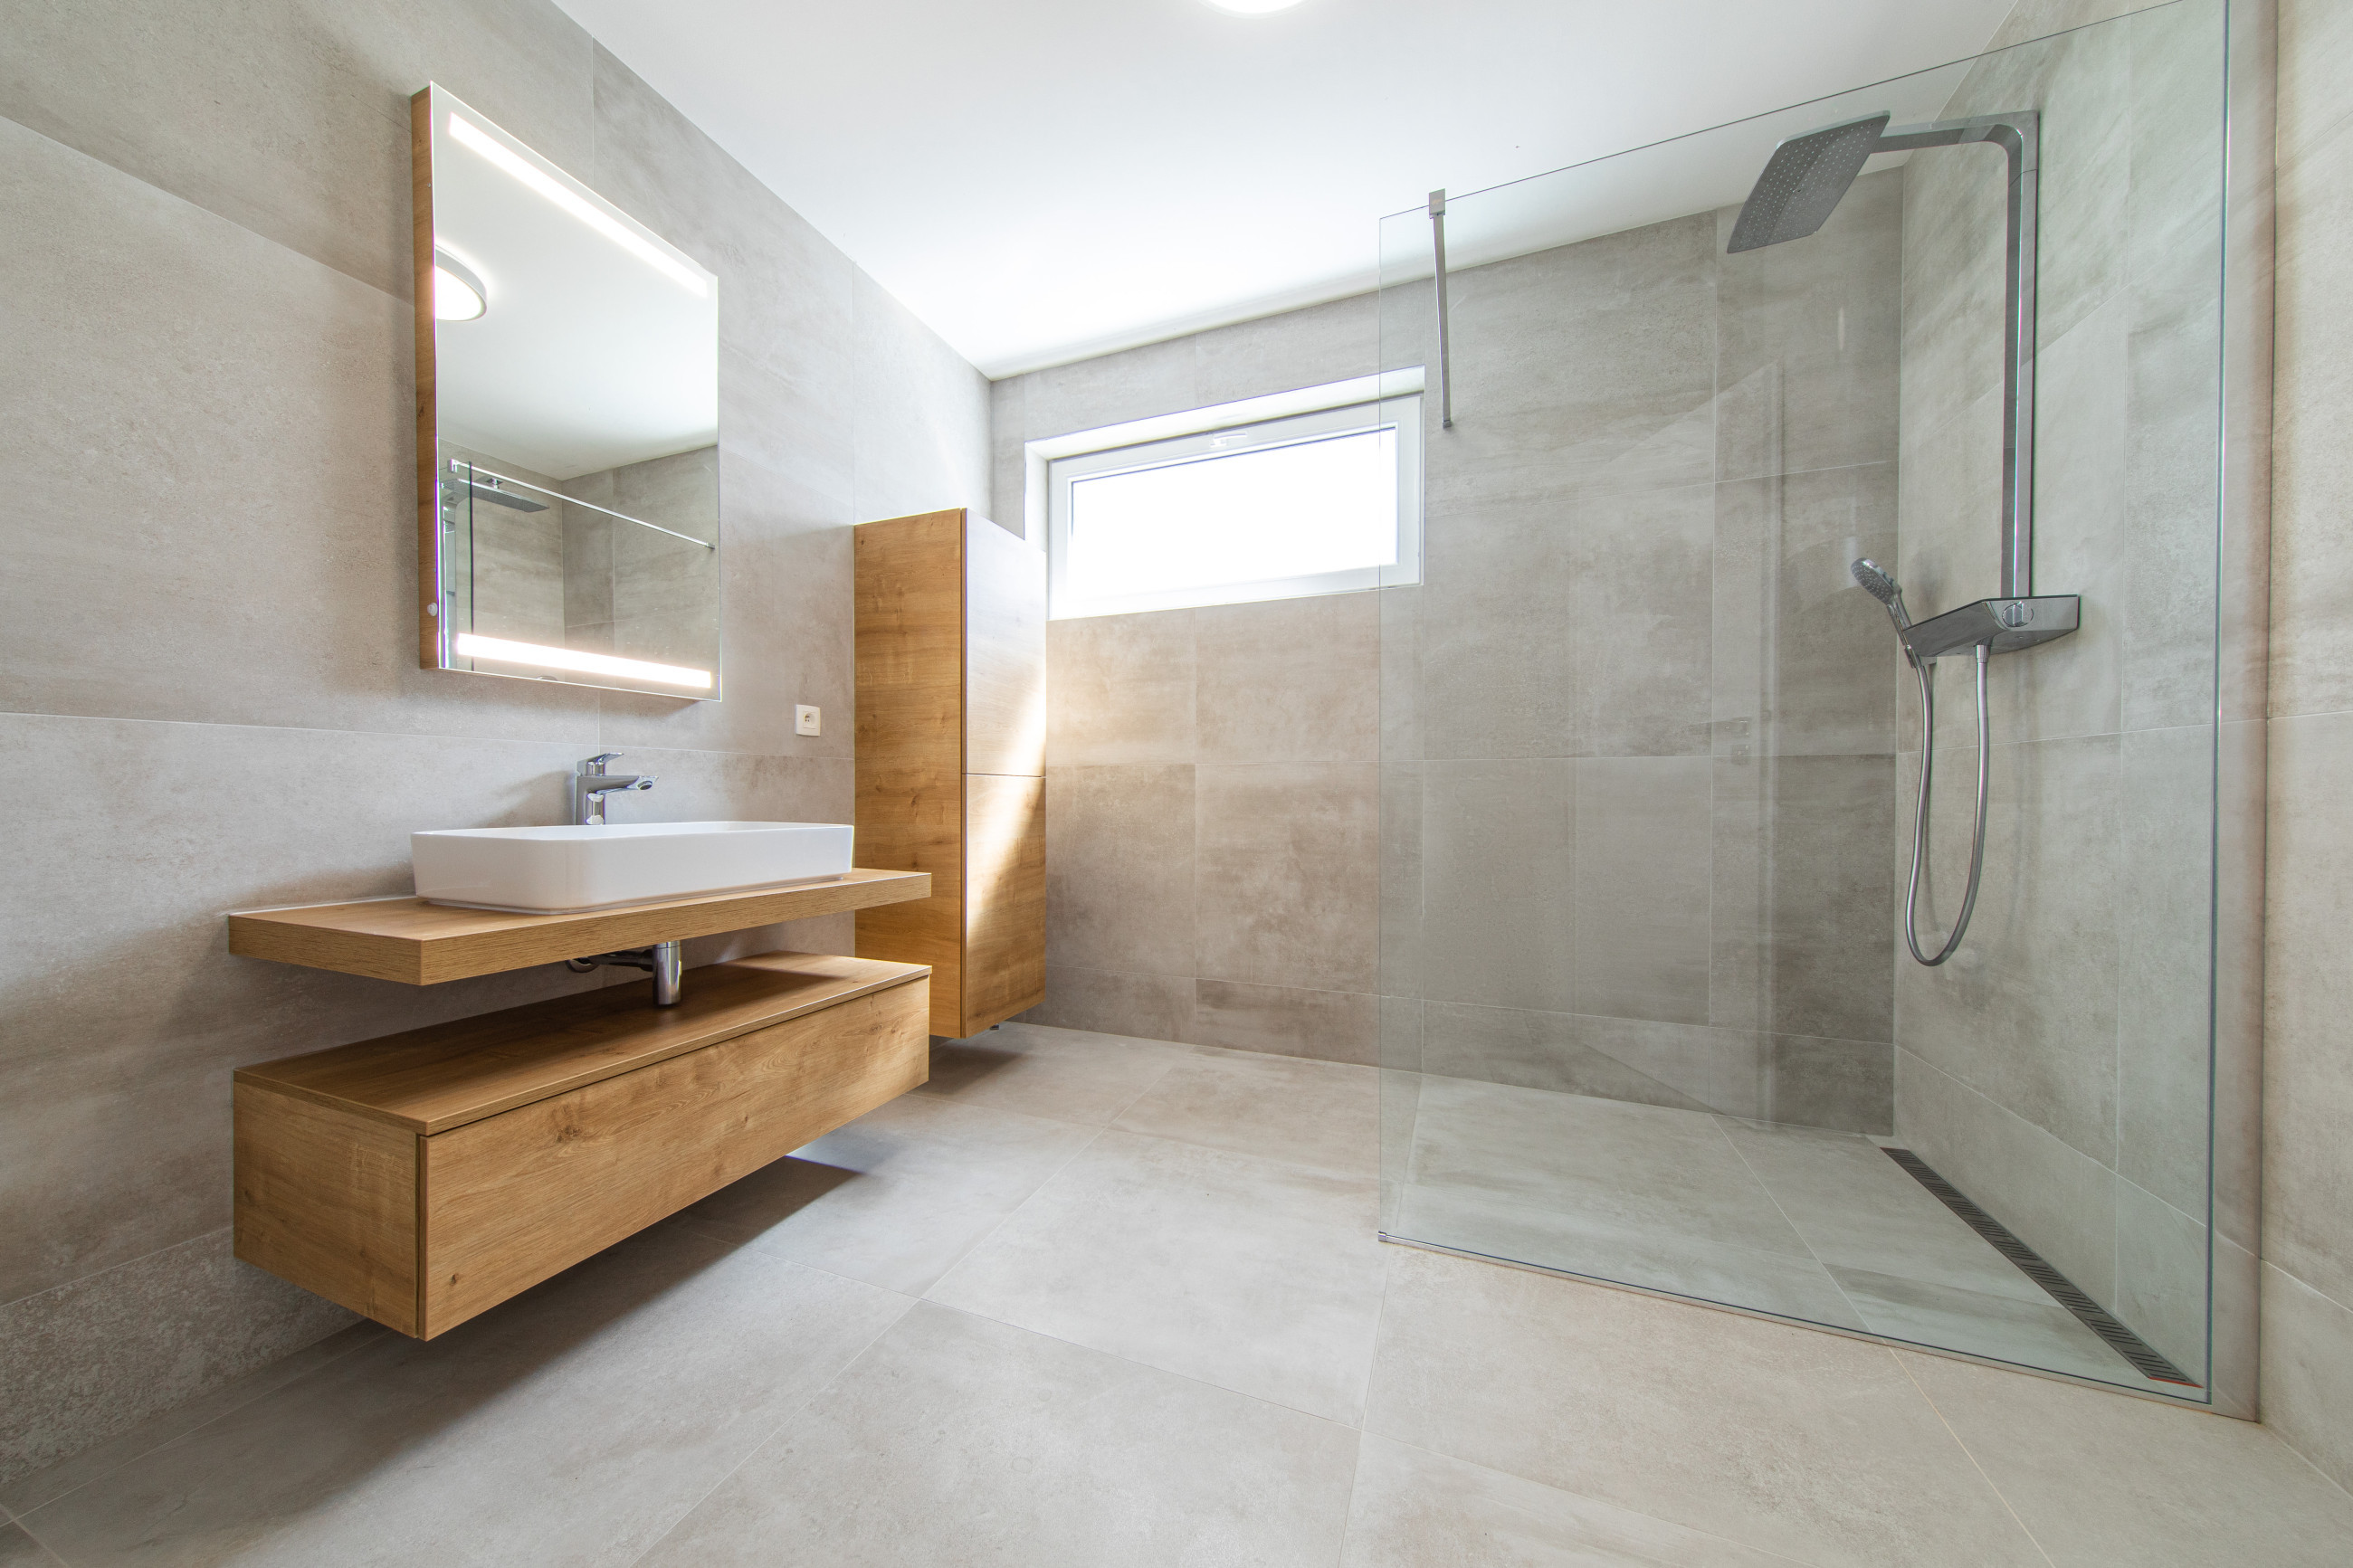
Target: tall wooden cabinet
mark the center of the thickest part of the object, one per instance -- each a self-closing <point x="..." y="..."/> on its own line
<point x="952" y="758"/>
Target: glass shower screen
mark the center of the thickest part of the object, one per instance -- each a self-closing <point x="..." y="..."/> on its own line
<point x="1652" y="755"/>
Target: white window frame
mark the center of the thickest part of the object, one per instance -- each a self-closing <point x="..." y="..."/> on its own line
<point x="1368" y="402"/>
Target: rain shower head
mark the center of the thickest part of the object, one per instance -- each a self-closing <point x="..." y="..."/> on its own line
<point x="1876" y="581"/>
<point x="1802" y="184"/>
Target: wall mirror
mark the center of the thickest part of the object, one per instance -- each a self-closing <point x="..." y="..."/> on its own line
<point x="567" y="397"/>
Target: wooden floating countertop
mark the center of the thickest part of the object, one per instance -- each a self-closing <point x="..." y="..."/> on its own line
<point x="431" y="1079"/>
<point x="419" y="943"/>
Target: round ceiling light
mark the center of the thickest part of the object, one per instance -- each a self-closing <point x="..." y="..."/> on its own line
<point x="458" y="292"/>
<point x="1249" y="8"/>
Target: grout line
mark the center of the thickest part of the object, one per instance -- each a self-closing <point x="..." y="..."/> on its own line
<point x="1372" y="1366"/>
<point x="783" y="1419"/>
<point x="357" y="1344"/>
<point x="110" y="1268"/>
<point x="48" y="1552"/>
<point x="1969" y="1454"/>
<point x="1766" y="1187"/>
<point x="1591" y="1496"/>
<point x="1007" y="1217"/>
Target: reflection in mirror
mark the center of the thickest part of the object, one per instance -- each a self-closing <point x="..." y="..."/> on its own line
<point x="568" y="378"/>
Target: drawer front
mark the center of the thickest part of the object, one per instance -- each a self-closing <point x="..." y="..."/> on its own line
<point x="512" y="1199"/>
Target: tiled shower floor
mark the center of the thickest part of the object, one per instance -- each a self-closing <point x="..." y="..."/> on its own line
<point x="1805" y="1224"/>
<point x="1092" y="1302"/>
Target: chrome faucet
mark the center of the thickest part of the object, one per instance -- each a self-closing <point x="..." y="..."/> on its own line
<point x="591" y="783"/>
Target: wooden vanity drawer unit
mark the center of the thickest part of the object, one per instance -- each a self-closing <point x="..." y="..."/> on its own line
<point x="422" y="1178"/>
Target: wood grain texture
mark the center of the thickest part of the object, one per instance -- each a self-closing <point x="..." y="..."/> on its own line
<point x="912" y="816"/>
<point x="430" y="1080"/>
<point x="951" y="676"/>
<point x="909" y="606"/>
<point x="328" y="1200"/>
<point x="518" y="1197"/>
<point x="417" y="943"/>
<point x="429" y="520"/>
<point x="1005" y="653"/>
<point x="1004" y="968"/>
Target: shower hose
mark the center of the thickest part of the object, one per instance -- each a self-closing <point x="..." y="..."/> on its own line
<point x="1920" y="813"/>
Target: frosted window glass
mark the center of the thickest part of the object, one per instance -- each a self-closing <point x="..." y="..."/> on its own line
<point x="1257" y="515"/>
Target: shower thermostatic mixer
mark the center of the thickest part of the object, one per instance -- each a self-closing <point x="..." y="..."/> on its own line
<point x="2001" y="626"/>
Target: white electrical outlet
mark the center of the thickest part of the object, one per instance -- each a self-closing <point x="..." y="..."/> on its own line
<point x="806" y="720"/>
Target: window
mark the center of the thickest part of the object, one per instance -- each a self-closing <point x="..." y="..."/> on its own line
<point x="1238" y="509"/>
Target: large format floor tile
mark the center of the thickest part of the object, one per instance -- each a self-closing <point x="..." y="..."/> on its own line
<point x="1323" y="1115"/>
<point x="1251" y="1274"/>
<point x="896" y="1197"/>
<point x="1413" y="1509"/>
<point x="2102" y="1479"/>
<point x="18" y="1550"/>
<point x="1071" y="1075"/>
<point x="571" y="1425"/>
<point x="1559" y="1236"/>
<point x="1158" y="1318"/>
<point x="958" y="1440"/>
<point x="1812" y="1445"/>
<point x="1859" y="1209"/>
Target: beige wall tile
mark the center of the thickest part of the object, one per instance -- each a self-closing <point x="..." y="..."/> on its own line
<point x="1142" y="1006"/>
<point x="2307" y="1370"/>
<point x="1496" y="650"/>
<point x="1289" y="680"/>
<point x="2025" y="1013"/>
<point x="85" y="1361"/>
<point x="2312" y="550"/>
<point x="1286" y="1021"/>
<point x="1158" y="378"/>
<point x="2058" y="1200"/>
<point x="1591" y="366"/>
<point x="1642" y="888"/>
<point x="2307" y="1089"/>
<point x="1640" y="613"/>
<point x="2165" y="895"/>
<point x="1800" y="656"/>
<point x="1807" y="366"/>
<point x="920" y="424"/>
<point x="1320" y="345"/>
<point x="1120" y="689"/>
<point x="294" y="122"/>
<point x="1498" y="857"/>
<point x="2160" y="1289"/>
<point x="1119" y="868"/>
<point x="1286" y="882"/>
<point x="164" y="357"/>
<point x="2307" y="1071"/>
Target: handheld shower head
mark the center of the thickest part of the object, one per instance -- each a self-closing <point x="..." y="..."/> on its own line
<point x="1880" y="583"/>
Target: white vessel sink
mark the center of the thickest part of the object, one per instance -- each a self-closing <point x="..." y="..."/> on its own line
<point x="563" y="870"/>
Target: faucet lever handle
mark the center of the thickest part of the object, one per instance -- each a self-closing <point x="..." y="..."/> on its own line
<point x="596" y="764"/>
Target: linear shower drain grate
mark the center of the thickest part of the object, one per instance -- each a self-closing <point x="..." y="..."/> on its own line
<point x="2143" y="1356"/>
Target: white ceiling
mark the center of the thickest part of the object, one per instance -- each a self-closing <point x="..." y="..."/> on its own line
<point x="1044" y="180"/>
